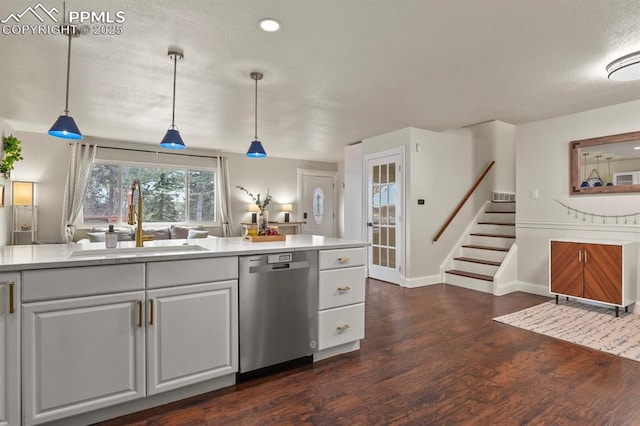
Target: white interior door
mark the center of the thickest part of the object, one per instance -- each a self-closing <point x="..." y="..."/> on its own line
<point x="317" y="202"/>
<point x="384" y="216"/>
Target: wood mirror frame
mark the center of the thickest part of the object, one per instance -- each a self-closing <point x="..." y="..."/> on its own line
<point x="574" y="164"/>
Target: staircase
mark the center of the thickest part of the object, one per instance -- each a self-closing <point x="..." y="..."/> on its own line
<point x="477" y="261"/>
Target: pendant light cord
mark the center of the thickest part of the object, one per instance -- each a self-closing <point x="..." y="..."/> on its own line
<point x="173" y="111"/>
<point x="66" y="103"/>
<point x="256" y="112"/>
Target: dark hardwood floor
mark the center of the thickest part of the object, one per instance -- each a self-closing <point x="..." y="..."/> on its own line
<point x="431" y="356"/>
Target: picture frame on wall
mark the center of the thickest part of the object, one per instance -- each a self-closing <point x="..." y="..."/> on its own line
<point x="1" y="195"/>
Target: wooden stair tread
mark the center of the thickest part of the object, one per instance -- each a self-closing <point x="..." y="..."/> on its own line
<point x="500" y="212"/>
<point x="480" y="261"/>
<point x="475" y="246"/>
<point x="481" y="234"/>
<point x="503" y="202"/>
<point x="470" y="275"/>
<point x="497" y="223"/>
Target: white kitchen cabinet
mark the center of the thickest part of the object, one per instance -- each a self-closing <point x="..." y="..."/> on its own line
<point x="83" y="343"/>
<point x="341" y="298"/>
<point x="192" y="334"/>
<point x="81" y="354"/>
<point x="9" y="350"/>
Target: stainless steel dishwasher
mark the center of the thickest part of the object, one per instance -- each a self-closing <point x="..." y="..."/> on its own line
<point x="278" y="305"/>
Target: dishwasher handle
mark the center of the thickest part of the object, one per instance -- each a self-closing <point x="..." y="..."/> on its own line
<point x="275" y="267"/>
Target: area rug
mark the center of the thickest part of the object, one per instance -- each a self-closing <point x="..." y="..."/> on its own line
<point x="587" y="325"/>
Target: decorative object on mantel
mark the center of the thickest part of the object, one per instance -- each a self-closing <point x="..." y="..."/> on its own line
<point x="287" y="209"/>
<point x="602" y="217"/>
<point x="11" y="154"/>
<point x="263" y="214"/>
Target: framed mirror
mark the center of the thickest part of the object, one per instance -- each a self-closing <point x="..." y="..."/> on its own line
<point x="604" y="165"/>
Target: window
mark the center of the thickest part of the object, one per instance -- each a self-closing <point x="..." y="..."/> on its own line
<point x="170" y="194"/>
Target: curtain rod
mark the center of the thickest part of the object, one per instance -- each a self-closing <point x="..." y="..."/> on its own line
<point x="158" y="152"/>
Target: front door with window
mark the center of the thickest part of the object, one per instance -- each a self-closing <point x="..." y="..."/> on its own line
<point x="317" y="202"/>
<point x="384" y="219"/>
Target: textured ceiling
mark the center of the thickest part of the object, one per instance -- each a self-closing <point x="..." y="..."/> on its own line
<point x="337" y="72"/>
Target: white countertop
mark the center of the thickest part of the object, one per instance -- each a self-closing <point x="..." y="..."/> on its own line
<point x="19" y="258"/>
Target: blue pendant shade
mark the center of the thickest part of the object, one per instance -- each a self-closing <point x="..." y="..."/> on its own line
<point x="610" y="184"/>
<point x="256" y="150"/>
<point x="584" y="184"/>
<point x="172" y="139"/>
<point x="65" y="127"/>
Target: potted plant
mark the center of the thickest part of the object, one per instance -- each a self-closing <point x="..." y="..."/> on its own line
<point x="11" y="154"/>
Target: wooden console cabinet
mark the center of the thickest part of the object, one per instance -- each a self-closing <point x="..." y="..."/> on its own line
<point x="601" y="271"/>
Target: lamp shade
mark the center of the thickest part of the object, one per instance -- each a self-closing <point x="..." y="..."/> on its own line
<point x="253" y="208"/>
<point x="288" y="208"/>
<point x="22" y="193"/>
<point x="172" y="140"/>
<point x="65" y="127"/>
<point x="256" y="150"/>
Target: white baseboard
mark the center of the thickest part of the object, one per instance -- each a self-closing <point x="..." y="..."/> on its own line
<point x="422" y="281"/>
<point x="506" y="288"/>
<point x="337" y="350"/>
<point x="541" y="290"/>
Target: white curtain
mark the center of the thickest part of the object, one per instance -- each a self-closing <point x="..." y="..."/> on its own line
<point x="80" y="162"/>
<point x="224" y="192"/>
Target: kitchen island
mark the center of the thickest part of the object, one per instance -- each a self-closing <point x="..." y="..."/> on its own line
<point x="89" y="333"/>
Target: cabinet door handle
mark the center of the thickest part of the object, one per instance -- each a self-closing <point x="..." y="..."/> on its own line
<point x="585" y="256"/>
<point x="579" y="256"/>
<point x="343" y="327"/>
<point x="150" y="311"/>
<point x="139" y="313"/>
<point x="12" y="307"/>
<point x="343" y="259"/>
<point x="345" y="288"/>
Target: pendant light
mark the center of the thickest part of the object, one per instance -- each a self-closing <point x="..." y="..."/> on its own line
<point x="255" y="149"/>
<point x="172" y="139"/>
<point x="65" y="127"/>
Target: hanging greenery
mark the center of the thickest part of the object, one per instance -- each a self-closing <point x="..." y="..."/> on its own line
<point x="11" y="154"/>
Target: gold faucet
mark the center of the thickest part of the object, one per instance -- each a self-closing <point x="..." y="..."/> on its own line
<point x="140" y="238"/>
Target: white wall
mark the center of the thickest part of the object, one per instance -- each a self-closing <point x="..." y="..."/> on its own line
<point x="542" y="163"/>
<point x="353" y="193"/>
<point x="46" y="161"/>
<point x="494" y="141"/>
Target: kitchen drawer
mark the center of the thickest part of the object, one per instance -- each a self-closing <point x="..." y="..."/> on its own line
<point x="192" y="271"/>
<point x="340" y="325"/>
<point x="45" y="284"/>
<point x="340" y="287"/>
<point x="342" y="258"/>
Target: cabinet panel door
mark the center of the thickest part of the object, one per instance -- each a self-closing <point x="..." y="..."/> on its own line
<point x="603" y="273"/>
<point x="9" y="350"/>
<point x="566" y="269"/>
<point x="82" y="354"/>
<point x="193" y="334"/>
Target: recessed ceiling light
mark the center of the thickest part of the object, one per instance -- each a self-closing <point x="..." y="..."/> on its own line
<point x="636" y="147"/>
<point x="626" y="68"/>
<point x="269" y="24"/>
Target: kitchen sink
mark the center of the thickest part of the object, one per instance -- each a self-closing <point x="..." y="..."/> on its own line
<point x="133" y="251"/>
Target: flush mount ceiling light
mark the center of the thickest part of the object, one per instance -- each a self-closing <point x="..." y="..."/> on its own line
<point x="269" y="25"/>
<point x="626" y="68"/>
<point x="65" y="126"/>
<point x="172" y="139"/>
<point x="255" y="149"/>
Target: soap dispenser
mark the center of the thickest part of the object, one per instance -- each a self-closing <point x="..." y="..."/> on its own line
<point x="111" y="238"/>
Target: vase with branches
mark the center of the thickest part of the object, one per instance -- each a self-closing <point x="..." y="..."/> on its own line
<point x="262" y="203"/>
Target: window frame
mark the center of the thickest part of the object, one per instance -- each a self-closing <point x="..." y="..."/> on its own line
<point x="158" y="165"/>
